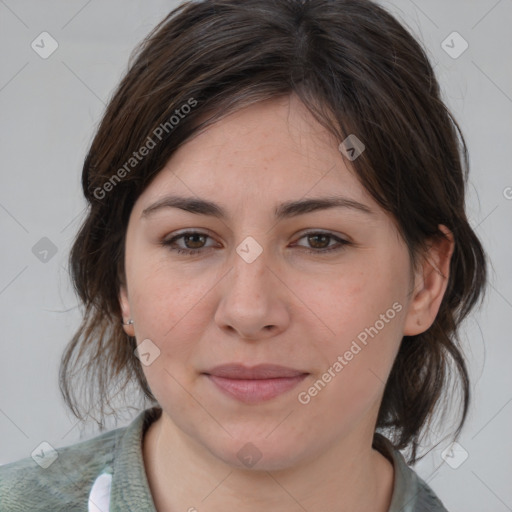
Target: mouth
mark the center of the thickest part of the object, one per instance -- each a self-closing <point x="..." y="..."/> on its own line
<point x="254" y="384"/>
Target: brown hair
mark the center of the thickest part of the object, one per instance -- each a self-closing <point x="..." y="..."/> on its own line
<point x="359" y="71"/>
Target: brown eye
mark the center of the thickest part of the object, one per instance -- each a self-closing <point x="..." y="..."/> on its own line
<point x="319" y="242"/>
<point x="194" y="242"/>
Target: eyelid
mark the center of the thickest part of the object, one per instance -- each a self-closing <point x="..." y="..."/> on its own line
<point x="180" y="234"/>
<point x="333" y="236"/>
<point x="319" y="231"/>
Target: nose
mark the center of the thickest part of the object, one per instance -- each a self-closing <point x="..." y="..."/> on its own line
<point x="254" y="300"/>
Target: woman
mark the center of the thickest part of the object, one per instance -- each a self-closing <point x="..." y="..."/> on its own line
<point x="277" y="253"/>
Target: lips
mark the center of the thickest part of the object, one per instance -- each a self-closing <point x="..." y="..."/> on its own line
<point x="254" y="384"/>
<point x="261" y="371"/>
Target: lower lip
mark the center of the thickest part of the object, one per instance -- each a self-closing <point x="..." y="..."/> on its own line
<point x="252" y="391"/>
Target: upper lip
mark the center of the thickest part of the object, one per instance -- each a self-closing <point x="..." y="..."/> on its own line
<point x="261" y="371"/>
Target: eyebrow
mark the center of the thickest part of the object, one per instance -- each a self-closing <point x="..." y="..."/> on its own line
<point x="283" y="211"/>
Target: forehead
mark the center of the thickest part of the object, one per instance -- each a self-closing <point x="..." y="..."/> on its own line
<point x="271" y="130"/>
<point x="273" y="150"/>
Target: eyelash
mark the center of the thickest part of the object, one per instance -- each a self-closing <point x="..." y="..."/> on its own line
<point x="190" y="252"/>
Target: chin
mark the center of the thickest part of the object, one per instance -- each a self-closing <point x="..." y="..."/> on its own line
<point x="259" y="455"/>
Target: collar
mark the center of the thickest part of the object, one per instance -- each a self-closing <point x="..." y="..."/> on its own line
<point x="130" y="487"/>
<point x="406" y="485"/>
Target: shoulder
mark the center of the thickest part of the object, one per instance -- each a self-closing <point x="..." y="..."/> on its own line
<point x="57" y="480"/>
<point x="426" y="499"/>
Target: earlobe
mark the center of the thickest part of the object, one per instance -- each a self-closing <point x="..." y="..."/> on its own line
<point x="127" y="321"/>
<point x="431" y="282"/>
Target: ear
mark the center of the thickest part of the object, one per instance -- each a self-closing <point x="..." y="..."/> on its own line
<point x="125" y="310"/>
<point x="430" y="283"/>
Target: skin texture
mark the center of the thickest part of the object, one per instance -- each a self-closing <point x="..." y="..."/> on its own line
<point x="288" y="307"/>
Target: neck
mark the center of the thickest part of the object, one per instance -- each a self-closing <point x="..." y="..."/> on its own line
<point x="184" y="475"/>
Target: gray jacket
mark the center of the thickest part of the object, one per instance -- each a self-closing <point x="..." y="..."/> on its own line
<point x="106" y="473"/>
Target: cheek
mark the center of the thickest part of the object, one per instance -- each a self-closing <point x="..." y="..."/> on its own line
<point x="364" y="311"/>
<point x="356" y="368"/>
<point x="168" y="311"/>
<point x="347" y="303"/>
<point x="170" y="308"/>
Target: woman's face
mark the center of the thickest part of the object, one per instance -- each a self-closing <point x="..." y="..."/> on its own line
<point x="323" y="291"/>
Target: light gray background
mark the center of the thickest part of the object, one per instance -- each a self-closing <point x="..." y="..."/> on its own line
<point x="50" y="108"/>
